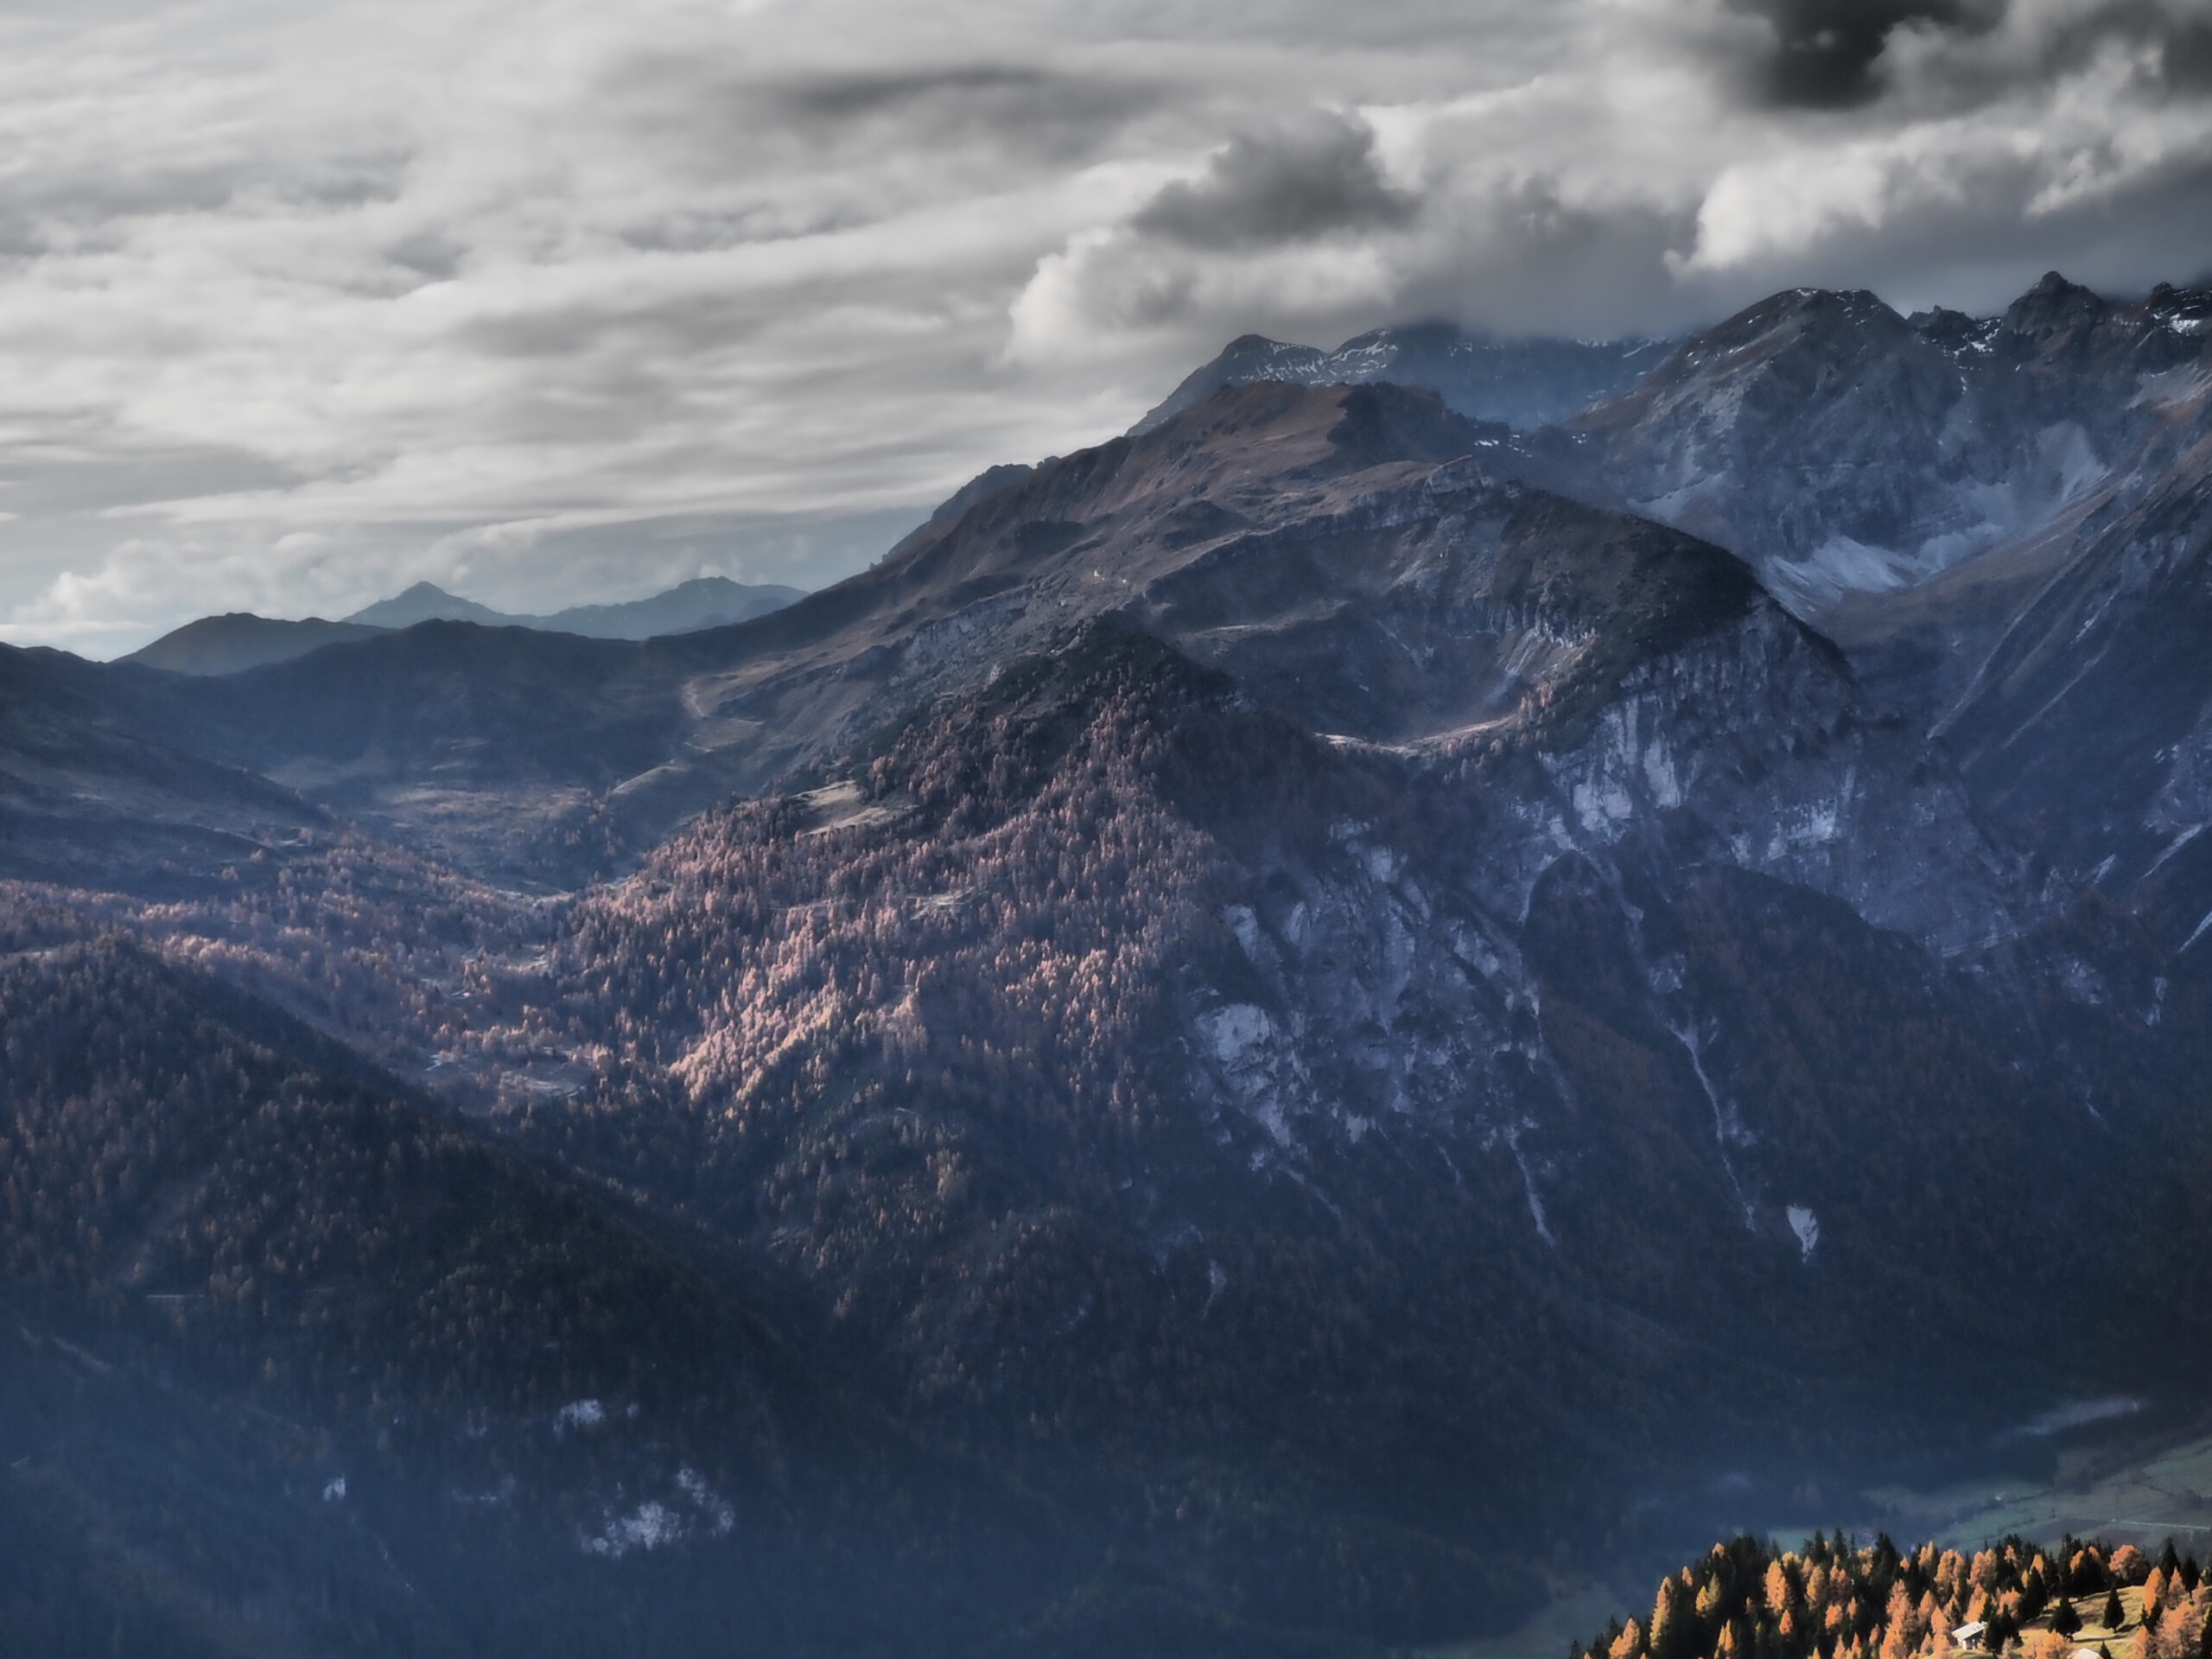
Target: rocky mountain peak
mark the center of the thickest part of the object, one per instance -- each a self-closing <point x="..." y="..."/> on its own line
<point x="1953" y="331"/>
<point x="1846" y="450"/>
<point x="2180" y="310"/>
<point x="424" y="601"/>
<point x="1805" y="330"/>
<point x="1524" y="382"/>
<point x="2054" y="306"/>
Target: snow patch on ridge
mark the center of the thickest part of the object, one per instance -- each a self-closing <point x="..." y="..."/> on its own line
<point x="1243" y="1041"/>
<point x="656" y="1525"/>
<point x="1529" y="1181"/>
<point x="578" y="1414"/>
<point x="1838" y="566"/>
<point x="652" y="1525"/>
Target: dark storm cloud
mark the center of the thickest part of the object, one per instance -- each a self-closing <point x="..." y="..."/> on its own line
<point x="1823" y="53"/>
<point x="1310" y="177"/>
<point x="2188" y="57"/>
<point x="2183" y="43"/>
<point x="1837" y="55"/>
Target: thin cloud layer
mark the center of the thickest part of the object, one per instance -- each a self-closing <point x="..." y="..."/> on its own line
<point x="555" y="302"/>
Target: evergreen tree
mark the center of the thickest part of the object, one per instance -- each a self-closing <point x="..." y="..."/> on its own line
<point x="2115" y="1615"/>
<point x="2064" y="1618"/>
<point x="1671" y="1636"/>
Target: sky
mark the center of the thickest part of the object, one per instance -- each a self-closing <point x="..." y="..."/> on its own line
<point x="548" y="303"/>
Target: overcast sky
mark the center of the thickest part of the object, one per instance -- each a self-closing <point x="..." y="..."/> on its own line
<point x="549" y="301"/>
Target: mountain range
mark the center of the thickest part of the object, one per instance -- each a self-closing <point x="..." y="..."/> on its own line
<point x="1259" y="1032"/>
<point x="238" y="640"/>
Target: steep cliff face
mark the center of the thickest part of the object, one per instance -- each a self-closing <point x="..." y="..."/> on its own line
<point x="2087" y="730"/>
<point x="1762" y="741"/>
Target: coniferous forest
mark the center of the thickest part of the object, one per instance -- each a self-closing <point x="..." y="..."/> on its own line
<point x="1834" y="1598"/>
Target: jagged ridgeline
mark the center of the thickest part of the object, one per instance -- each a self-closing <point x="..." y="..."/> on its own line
<point x="1749" y="1599"/>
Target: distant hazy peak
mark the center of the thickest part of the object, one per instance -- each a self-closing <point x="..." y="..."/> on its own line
<point x="228" y="644"/>
<point x="240" y="640"/>
<point x="423" y="602"/>
<point x="702" y="602"/>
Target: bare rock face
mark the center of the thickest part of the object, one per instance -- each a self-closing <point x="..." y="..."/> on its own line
<point x="2000" y="521"/>
<point x="2087" y="730"/>
<point x="1844" y="450"/>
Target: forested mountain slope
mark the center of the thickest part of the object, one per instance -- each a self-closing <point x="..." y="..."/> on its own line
<point x="1115" y="1009"/>
<point x="1835" y="1597"/>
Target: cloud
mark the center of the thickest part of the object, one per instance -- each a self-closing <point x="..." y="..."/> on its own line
<point x="1836" y="54"/>
<point x="1310" y="176"/>
<point x="2041" y="160"/>
<point x="1823" y="54"/>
